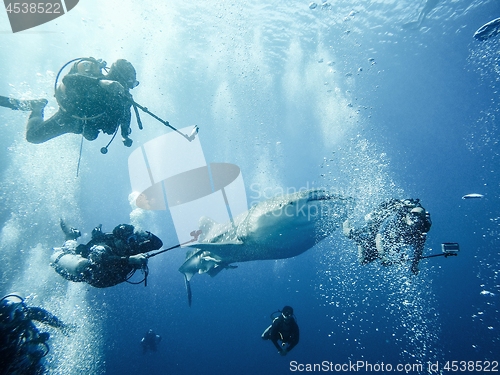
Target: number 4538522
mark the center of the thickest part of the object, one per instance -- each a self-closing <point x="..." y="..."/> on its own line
<point x="34" y="8"/>
<point x="471" y="366"/>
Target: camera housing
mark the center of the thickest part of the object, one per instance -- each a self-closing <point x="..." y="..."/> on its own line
<point x="450" y="248"/>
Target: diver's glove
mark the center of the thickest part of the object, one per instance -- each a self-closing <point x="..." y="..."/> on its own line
<point x="127" y="142"/>
<point x="70" y="232"/>
<point x="112" y="87"/>
<point x="138" y="260"/>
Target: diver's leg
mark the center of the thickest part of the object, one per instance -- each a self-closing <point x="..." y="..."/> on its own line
<point x="39" y="131"/>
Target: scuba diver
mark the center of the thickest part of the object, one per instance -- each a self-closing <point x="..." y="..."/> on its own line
<point x="285" y="329"/>
<point x="89" y="102"/>
<point x="22" y="345"/>
<point x="393" y="227"/>
<point x="150" y="341"/>
<point x="107" y="259"/>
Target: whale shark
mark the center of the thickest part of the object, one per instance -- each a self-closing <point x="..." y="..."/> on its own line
<point x="278" y="228"/>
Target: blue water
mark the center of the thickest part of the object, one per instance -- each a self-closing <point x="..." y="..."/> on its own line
<point x="339" y="96"/>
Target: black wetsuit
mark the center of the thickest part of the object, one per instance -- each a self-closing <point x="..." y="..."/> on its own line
<point x="150" y="341"/>
<point x="365" y="236"/>
<point x="109" y="252"/>
<point x="397" y="235"/>
<point x="284" y="330"/>
<point x="22" y="346"/>
<point x="85" y="108"/>
<point x="107" y="256"/>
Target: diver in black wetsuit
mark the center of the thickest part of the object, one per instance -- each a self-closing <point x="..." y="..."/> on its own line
<point x="22" y="345"/>
<point x="89" y="102"/>
<point x="395" y="232"/>
<point x="285" y="329"/>
<point x="150" y="341"/>
<point x="107" y="259"/>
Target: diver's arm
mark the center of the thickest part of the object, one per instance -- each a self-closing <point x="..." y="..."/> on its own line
<point x="43" y="316"/>
<point x="417" y="255"/>
<point x="136" y="261"/>
<point x="108" y="257"/>
<point x="97" y="234"/>
<point x="274" y="334"/>
<point x="114" y="88"/>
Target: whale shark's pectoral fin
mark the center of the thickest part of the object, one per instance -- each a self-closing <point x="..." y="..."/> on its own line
<point x="215" y="271"/>
<point x="198" y="261"/>
<point x="201" y="261"/>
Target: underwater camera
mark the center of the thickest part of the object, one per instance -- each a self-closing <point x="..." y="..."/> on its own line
<point x="450" y="249"/>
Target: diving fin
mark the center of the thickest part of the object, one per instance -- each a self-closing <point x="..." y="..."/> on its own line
<point x="22" y="105"/>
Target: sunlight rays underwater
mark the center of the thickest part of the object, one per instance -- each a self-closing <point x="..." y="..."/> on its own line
<point x="273" y="92"/>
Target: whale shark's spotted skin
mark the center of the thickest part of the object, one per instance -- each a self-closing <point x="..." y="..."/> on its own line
<point x="278" y="228"/>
